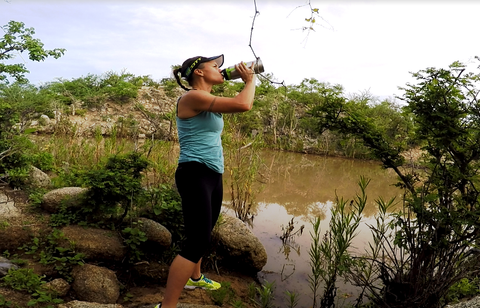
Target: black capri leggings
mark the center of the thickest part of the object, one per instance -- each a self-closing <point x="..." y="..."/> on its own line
<point x="201" y="190"/>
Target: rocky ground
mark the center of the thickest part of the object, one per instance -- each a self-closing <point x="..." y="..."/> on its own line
<point x="145" y="294"/>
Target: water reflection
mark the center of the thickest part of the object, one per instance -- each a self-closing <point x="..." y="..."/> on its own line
<point x="301" y="187"/>
<point x="301" y="183"/>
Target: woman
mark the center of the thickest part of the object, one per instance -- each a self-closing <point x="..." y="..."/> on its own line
<point x="200" y="166"/>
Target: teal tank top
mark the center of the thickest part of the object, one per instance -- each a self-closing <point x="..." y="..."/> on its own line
<point x="200" y="140"/>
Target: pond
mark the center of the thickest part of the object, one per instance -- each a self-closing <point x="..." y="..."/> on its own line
<point x="302" y="187"/>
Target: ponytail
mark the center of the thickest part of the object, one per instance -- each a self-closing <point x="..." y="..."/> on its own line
<point x="176" y="74"/>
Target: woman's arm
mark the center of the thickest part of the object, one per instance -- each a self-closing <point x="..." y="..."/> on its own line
<point x="204" y="101"/>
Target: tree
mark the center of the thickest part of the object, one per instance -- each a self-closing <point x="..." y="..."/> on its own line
<point x="17" y="38"/>
<point x="432" y="244"/>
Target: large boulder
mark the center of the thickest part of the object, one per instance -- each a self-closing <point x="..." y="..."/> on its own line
<point x="95" y="284"/>
<point x="13" y="237"/>
<point x="96" y="244"/>
<point x="80" y="304"/>
<point x="238" y="247"/>
<point x="155" y="232"/>
<point x="69" y="196"/>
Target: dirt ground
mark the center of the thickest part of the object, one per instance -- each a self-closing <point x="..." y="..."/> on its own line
<point x="154" y="294"/>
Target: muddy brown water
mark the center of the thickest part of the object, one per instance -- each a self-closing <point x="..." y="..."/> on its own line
<point x="301" y="187"/>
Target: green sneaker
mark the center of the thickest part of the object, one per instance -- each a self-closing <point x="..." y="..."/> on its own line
<point x="158" y="306"/>
<point x="203" y="283"/>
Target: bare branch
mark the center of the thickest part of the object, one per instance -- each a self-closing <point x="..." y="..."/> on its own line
<point x="251" y="47"/>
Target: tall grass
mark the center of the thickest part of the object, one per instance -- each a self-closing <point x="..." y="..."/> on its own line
<point x="243" y="164"/>
<point x="83" y="153"/>
<point x="330" y="257"/>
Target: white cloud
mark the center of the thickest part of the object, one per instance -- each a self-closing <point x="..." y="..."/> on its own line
<point x="372" y="45"/>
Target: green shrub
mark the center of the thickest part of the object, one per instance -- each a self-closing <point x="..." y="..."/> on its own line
<point x="115" y="187"/>
<point x="23" y="279"/>
<point x="165" y="207"/>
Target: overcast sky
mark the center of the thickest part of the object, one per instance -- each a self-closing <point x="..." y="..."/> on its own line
<point x="361" y="45"/>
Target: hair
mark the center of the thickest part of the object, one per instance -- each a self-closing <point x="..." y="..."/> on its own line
<point x="177" y="74"/>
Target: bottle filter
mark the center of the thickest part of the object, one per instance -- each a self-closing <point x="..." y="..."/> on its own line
<point x="231" y="73"/>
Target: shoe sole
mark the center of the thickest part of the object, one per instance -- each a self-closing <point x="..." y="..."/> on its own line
<point x="203" y="288"/>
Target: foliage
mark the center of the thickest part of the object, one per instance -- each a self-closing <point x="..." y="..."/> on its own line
<point x="435" y="233"/>
<point x="224" y="295"/>
<point x="24" y="279"/>
<point x="18" y="39"/>
<point x="329" y="256"/>
<point x="243" y="164"/>
<point x="465" y="288"/>
<point x="264" y="295"/>
<point x="292" y="299"/>
<point x="4" y="302"/>
<point x="169" y="85"/>
<point x="164" y="204"/>
<point x="133" y="238"/>
<point x="50" y="250"/>
<point x="115" y="187"/>
<point x="20" y="105"/>
<point x="94" y="90"/>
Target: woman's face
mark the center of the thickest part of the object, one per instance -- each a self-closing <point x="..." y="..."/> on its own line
<point x="211" y="72"/>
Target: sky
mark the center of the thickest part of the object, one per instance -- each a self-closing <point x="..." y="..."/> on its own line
<point x="364" y="45"/>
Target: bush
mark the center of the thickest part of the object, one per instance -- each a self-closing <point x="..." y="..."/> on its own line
<point x="114" y="187"/>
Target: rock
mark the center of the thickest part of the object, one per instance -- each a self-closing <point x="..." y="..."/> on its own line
<point x="96" y="244"/>
<point x="5" y="265"/>
<point x="38" y="178"/>
<point x="155" y="232"/>
<point x="180" y="305"/>
<point x="8" y="208"/>
<point x="80" y="304"/>
<point x="13" y="237"/>
<point x="70" y="196"/>
<point x="58" y="286"/>
<point x="154" y="272"/>
<point x="238" y="246"/>
<point x="473" y="303"/>
<point x="45" y="118"/>
<point x="95" y="284"/>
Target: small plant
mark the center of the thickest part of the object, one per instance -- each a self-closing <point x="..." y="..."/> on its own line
<point x="23" y="279"/>
<point x="4" y="225"/>
<point x="35" y="197"/>
<point x="48" y="250"/>
<point x="4" y="302"/>
<point x="265" y="294"/>
<point x="42" y="297"/>
<point x="315" y="260"/>
<point x="292" y="299"/>
<point x="238" y="304"/>
<point x="222" y="296"/>
<point x="128" y="297"/>
<point x="134" y="237"/>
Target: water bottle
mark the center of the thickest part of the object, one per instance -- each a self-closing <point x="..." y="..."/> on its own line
<point x="231" y="73"/>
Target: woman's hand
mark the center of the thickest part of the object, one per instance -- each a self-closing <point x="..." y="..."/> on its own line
<point x="247" y="74"/>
